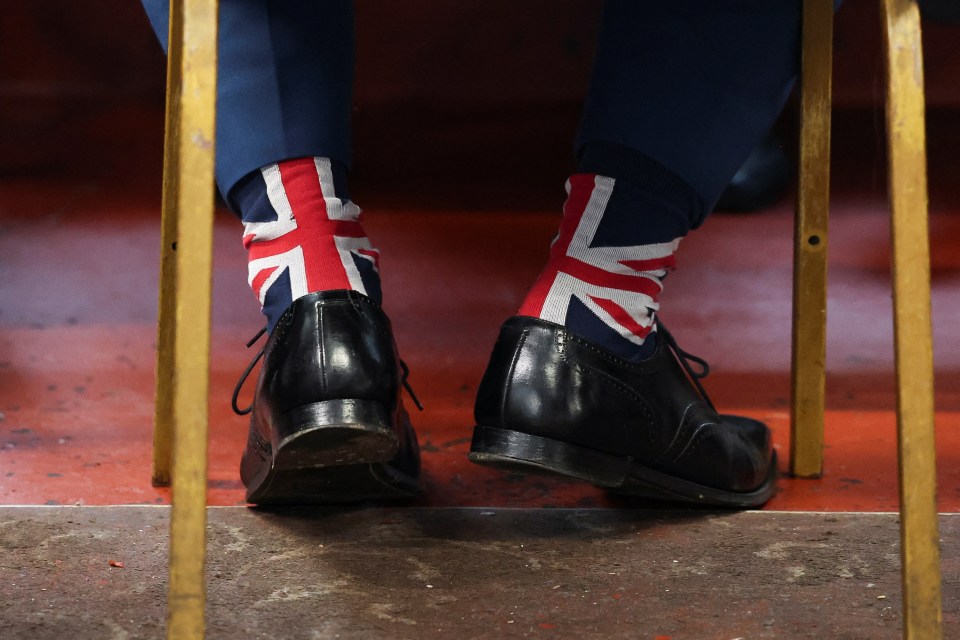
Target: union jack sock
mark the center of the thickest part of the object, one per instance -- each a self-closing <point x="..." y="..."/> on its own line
<point x="303" y="234"/>
<point x="617" y="242"/>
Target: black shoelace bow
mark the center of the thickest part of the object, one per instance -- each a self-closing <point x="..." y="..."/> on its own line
<point x="685" y="358"/>
<point x="246" y="373"/>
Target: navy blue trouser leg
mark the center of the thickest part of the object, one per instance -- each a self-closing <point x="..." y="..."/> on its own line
<point x="285" y="81"/>
<point x="691" y="85"/>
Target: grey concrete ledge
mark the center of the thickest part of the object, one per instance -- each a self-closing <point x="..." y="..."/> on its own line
<point x="467" y="573"/>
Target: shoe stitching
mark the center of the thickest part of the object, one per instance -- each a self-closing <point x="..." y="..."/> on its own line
<point x="321" y="351"/>
<point x="259" y="441"/>
<point x="643" y="367"/>
<point x="699" y="434"/>
<point x="697" y="442"/>
<point x="677" y="435"/>
<point x="359" y="301"/>
<point x="283" y="324"/>
<point x="604" y="378"/>
<point x="649" y="365"/>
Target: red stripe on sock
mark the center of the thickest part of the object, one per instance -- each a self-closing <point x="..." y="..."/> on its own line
<point x="260" y="279"/>
<point x="623" y="318"/>
<point x="315" y="230"/>
<point x="373" y="255"/>
<point x="581" y="188"/>
<point x="653" y="264"/>
<point x="597" y="276"/>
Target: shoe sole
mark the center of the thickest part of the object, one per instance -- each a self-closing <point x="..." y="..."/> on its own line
<point x="331" y="452"/>
<point x="518" y="451"/>
<point x="335" y="433"/>
<point x="333" y="485"/>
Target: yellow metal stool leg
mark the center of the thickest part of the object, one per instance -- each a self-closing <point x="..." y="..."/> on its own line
<point x="906" y="141"/>
<point x="166" y="308"/>
<point x="180" y="434"/>
<point x="809" y="343"/>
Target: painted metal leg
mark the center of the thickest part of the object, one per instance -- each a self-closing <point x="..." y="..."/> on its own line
<point x="810" y="243"/>
<point x="184" y="335"/>
<point x="906" y="141"/>
<point x="166" y="308"/>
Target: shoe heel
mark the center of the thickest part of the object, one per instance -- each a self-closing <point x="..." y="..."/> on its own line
<point x="524" y="452"/>
<point x="335" y="433"/>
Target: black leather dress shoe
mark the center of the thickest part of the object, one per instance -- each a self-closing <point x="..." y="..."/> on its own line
<point x="327" y="424"/>
<point x="551" y="401"/>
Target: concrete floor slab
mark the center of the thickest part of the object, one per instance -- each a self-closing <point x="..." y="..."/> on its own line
<point x="467" y="573"/>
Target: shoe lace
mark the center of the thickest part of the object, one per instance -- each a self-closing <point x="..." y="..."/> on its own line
<point x="246" y="373"/>
<point x="406" y="384"/>
<point x="685" y="358"/>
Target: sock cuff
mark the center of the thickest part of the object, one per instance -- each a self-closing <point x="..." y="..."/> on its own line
<point x="644" y="174"/>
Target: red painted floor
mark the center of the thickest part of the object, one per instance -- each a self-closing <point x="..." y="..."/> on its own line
<point x="78" y="266"/>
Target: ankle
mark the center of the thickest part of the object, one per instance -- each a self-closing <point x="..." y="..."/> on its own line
<point x="303" y="234"/>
